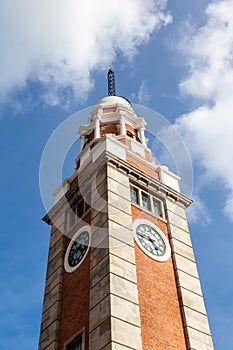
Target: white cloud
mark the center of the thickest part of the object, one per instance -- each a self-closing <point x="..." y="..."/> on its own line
<point x="197" y="212"/>
<point x="143" y="94"/>
<point x="208" y="129"/>
<point x="60" y="43"/>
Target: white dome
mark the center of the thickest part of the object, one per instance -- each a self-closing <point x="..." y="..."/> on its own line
<point x="114" y="100"/>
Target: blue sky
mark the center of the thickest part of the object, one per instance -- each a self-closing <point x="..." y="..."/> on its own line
<point x="172" y="56"/>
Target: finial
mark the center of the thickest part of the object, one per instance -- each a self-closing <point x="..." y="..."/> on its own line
<point x="111" y="83"/>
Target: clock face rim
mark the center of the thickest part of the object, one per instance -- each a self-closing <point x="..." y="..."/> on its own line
<point x="67" y="266"/>
<point x="167" y="253"/>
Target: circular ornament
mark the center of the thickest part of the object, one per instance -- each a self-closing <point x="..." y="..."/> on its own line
<point x="151" y="240"/>
<point x="77" y="249"/>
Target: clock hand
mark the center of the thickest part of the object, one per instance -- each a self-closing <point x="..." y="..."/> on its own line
<point x="155" y="244"/>
<point x="158" y="247"/>
<point x="142" y="235"/>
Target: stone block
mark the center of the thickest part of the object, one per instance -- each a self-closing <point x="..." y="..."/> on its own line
<point x="195" y="320"/>
<point x="100" y="175"/>
<point x="58" y="220"/>
<point x="122" y="233"/>
<point x="49" y="335"/>
<point x="198" y="340"/>
<point x="97" y="151"/>
<point x="125" y="310"/>
<point x="100" y="336"/>
<point x="182" y="249"/>
<point x="53" y="346"/>
<point x="188" y="282"/>
<point x="122" y="189"/>
<point x="123" y="288"/>
<point x="99" y="271"/>
<point x="54" y="279"/>
<point x="100" y="291"/>
<point x="118" y="174"/>
<point x="52" y="297"/>
<point x="85" y="158"/>
<point x="115" y="147"/>
<point x="122" y="250"/>
<point x="180" y="235"/>
<point x="115" y="346"/>
<point x="99" y="235"/>
<point x="175" y="208"/>
<point x="137" y="148"/>
<point x="126" y="334"/>
<point x="51" y="315"/>
<point x="120" y="217"/>
<point x="55" y="263"/>
<point x="185" y="265"/>
<point x="192" y="300"/>
<point x="99" y="189"/>
<point x="99" y="203"/>
<point x="179" y="222"/>
<point x="98" y="254"/>
<point x="123" y="268"/>
<point x="119" y="202"/>
<point x="99" y="218"/>
<point x="99" y="313"/>
<point x="56" y="248"/>
<point x="55" y="236"/>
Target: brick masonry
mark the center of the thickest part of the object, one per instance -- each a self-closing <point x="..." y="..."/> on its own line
<point x="161" y="321"/>
<point x="122" y="298"/>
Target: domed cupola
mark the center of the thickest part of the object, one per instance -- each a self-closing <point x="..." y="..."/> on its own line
<point x="113" y="117"/>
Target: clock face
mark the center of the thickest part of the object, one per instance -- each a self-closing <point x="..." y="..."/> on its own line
<point x="77" y="249"/>
<point x="151" y="240"/>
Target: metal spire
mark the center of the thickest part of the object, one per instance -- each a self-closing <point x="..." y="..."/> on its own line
<point x="111" y="83"/>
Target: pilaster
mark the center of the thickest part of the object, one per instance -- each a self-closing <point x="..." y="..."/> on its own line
<point x="51" y="315"/>
<point x="195" y="322"/>
<point x="114" y="307"/>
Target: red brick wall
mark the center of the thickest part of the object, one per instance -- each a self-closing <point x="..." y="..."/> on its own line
<point x="75" y="301"/>
<point x="142" y="166"/>
<point x="130" y="128"/>
<point x="110" y="128"/>
<point x="161" y="323"/>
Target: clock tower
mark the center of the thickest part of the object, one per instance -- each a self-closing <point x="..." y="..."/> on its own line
<point x="121" y="271"/>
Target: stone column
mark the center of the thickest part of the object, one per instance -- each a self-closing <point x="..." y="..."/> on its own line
<point x="82" y="141"/>
<point x="142" y="136"/>
<point x="193" y="310"/>
<point x="114" y="307"/>
<point x="122" y="125"/>
<point x="97" y="128"/>
<point x="50" y="324"/>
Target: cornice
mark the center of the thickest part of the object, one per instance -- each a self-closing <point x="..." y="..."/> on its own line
<point x="148" y="180"/>
<point x="135" y="174"/>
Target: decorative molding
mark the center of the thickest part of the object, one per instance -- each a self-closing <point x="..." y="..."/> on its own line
<point x="163" y="190"/>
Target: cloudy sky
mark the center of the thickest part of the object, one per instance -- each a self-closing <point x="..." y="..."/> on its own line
<point x="175" y="57"/>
